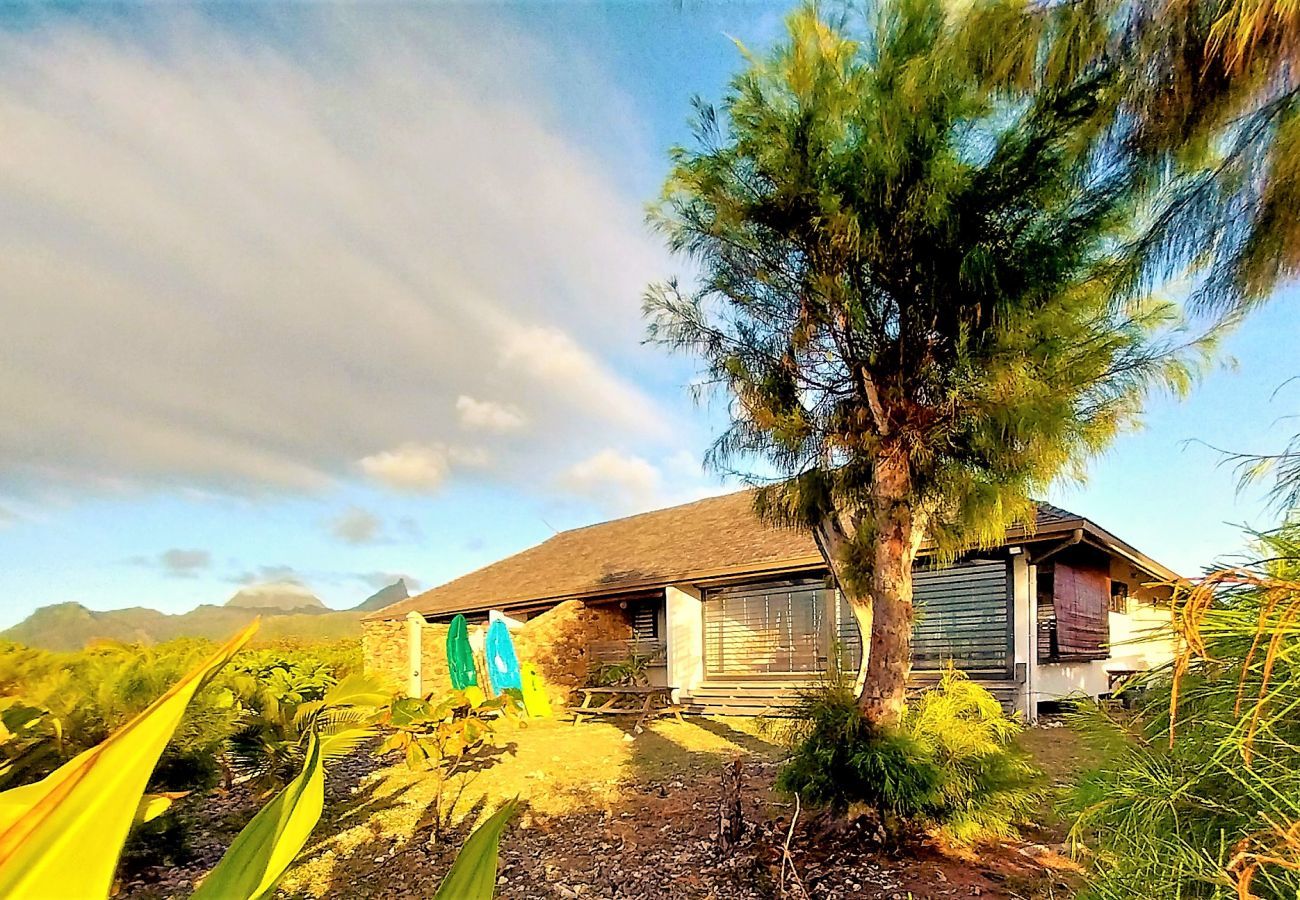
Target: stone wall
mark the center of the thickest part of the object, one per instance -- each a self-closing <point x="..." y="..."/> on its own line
<point x="556" y="641"/>
<point x="386" y="655"/>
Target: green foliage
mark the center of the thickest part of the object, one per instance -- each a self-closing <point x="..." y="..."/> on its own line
<point x="450" y="738"/>
<point x="949" y="764"/>
<point x="1211" y="93"/>
<point x="633" y="670"/>
<point x="473" y="876"/>
<point x="29" y="738"/>
<point x="908" y="248"/>
<point x="446" y="733"/>
<point x="93" y="692"/>
<point x="263" y="850"/>
<point x="987" y="784"/>
<point x="1199" y="795"/>
<point x="287" y="706"/>
<point x="62" y="835"/>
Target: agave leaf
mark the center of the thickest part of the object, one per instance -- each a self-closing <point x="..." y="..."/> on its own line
<point x="261" y="852"/>
<point x="62" y="836"/>
<point x="473" y="876"/>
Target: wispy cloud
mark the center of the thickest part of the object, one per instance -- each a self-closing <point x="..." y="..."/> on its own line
<point x="616" y="481"/>
<point x="378" y="580"/>
<point x="234" y="265"/>
<point x="357" y="526"/>
<point x="269" y="574"/>
<point x="177" y="562"/>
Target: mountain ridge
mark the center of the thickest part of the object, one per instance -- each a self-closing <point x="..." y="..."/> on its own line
<point x="287" y="614"/>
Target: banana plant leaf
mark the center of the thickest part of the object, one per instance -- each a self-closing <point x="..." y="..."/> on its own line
<point x="259" y="855"/>
<point x="473" y="875"/>
<point x="61" y="837"/>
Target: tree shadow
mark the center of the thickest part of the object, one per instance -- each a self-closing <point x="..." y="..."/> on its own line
<point x="402" y="865"/>
<point x="751" y="742"/>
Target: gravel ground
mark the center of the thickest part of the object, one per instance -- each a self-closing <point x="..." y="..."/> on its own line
<point x="653" y="837"/>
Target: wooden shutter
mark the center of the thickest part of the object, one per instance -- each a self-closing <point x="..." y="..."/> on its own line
<point x="1081" y="596"/>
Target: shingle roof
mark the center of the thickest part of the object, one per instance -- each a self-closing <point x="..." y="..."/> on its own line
<point x="708" y="538"/>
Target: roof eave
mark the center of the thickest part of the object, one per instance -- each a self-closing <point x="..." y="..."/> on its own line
<point x="789" y="564"/>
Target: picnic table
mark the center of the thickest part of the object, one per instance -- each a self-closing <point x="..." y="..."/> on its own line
<point x="643" y="701"/>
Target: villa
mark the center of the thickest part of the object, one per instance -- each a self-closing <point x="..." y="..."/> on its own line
<point x="736" y="615"/>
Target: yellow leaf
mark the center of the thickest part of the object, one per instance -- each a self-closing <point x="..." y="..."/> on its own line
<point x="61" y="836"/>
<point x="154" y="805"/>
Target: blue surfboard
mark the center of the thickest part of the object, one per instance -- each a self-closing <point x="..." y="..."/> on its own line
<point x="502" y="663"/>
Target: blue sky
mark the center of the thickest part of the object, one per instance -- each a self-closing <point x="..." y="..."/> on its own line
<point x="338" y="293"/>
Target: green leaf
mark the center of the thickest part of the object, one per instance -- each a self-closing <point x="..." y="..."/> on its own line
<point x="62" y="836"/>
<point x="261" y="852"/>
<point x="341" y="743"/>
<point x="358" y="690"/>
<point x="473" y="875"/>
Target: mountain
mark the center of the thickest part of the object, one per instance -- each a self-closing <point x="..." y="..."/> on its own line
<point x="288" y="596"/>
<point x="289" y="612"/>
<point x="385" y="596"/>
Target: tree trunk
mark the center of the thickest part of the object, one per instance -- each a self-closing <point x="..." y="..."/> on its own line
<point x="896" y="537"/>
<point x="881" y="599"/>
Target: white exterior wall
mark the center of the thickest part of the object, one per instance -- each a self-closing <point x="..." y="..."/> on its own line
<point x="684" y="635"/>
<point x="1139" y="640"/>
<point x="1024" y="615"/>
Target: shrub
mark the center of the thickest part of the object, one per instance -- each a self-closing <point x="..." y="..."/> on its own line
<point x="633" y="670"/>
<point x="86" y="695"/>
<point x="950" y="764"/>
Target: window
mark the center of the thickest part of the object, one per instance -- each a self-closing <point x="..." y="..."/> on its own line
<point x="1118" y="597"/>
<point x="645" y="621"/>
<point x="1081" y="598"/>
<point x="766" y="629"/>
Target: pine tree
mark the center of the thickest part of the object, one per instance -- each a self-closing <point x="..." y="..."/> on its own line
<point x="906" y="251"/>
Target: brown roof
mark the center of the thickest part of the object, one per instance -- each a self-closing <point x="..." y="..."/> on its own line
<point x="710" y="538"/>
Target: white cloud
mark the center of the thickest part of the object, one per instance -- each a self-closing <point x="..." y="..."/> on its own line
<point x="410" y="467"/>
<point x="486" y="415"/>
<point x="552" y="357"/>
<point x="276" y="574"/>
<point x="615" y="480"/>
<point x="357" y="526"/>
<point x="234" y="266"/>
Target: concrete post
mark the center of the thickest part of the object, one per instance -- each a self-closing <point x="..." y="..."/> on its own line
<point x="415" y="654"/>
<point x="684" y="612"/>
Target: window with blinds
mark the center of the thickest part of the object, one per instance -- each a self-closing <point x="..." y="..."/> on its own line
<point x="963" y="615"/>
<point x="788" y="628"/>
<point x="769" y="629"/>
<point x="645" y="621"/>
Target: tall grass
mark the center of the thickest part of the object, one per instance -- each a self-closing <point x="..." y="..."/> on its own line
<point x="1200" y="792"/>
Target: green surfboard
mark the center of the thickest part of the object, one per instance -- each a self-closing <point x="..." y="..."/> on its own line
<point x="460" y="658"/>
